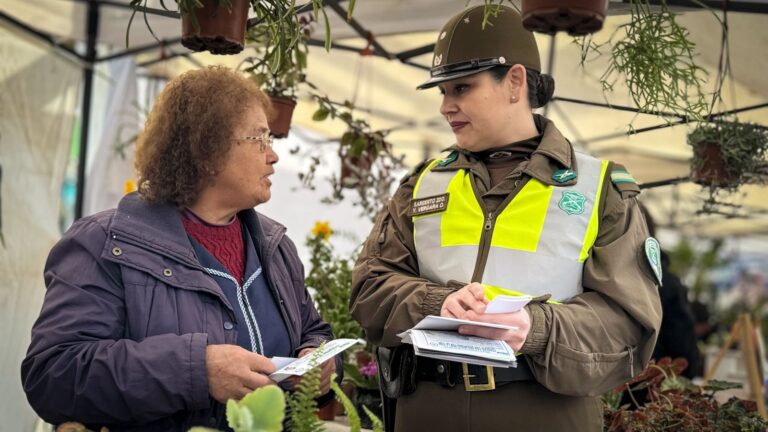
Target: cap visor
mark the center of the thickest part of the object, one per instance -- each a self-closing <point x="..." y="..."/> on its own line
<point x="451" y="76"/>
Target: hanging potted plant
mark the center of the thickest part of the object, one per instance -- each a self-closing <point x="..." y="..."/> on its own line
<point x="219" y="26"/>
<point x="367" y="164"/>
<point x="727" y="154"/>
<point x="577" y="17"/>
<point x="279" y="73"/>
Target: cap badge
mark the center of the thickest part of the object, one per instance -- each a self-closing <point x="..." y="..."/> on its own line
<point x="442" y="35"/>
<point x="438" y="59"/>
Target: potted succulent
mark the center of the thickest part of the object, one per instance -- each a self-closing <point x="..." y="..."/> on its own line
<point x="577" y="17"/>
<point x="727" y="154"/>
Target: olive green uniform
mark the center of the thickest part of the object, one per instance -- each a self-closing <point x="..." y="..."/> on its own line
<point x="576" y="350"/>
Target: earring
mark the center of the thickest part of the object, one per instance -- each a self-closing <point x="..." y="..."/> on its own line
<point x="514" y="98"/>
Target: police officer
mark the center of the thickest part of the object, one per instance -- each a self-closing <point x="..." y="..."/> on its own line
<point x="511" y="208"/>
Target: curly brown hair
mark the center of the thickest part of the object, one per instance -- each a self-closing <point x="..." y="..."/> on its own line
<point x="188" y="133"/>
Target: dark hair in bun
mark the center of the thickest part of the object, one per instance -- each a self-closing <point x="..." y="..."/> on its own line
<point x="541" y="86"/>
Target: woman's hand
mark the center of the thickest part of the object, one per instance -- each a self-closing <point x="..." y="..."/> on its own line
<point x="469" y="298"/>
<point x="326" y="371"/>
<point x="233" y="372"/>
<point x="514" y="338"/>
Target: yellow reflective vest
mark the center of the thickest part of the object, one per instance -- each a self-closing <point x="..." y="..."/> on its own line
<point x="535" y="243"/>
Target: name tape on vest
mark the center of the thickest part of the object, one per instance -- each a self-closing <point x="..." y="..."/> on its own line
<point x="433" y="204"/>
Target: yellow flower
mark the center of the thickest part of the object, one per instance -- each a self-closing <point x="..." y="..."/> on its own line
<point x="130" y="186"/>
<point x="322" y="229"/>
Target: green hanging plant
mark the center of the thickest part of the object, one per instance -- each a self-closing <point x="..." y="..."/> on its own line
<point x="654" y="56"/>
<point x="726" y="155"/>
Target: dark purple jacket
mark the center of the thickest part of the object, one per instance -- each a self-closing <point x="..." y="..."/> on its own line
<point x="128" y="313"/>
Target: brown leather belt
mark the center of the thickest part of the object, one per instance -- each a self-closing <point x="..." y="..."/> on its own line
<point x="475" y="378"/>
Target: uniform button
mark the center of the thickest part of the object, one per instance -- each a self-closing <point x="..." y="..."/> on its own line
<point x="440" y="369"/>
<point x="228" y="325"/>
<point x="116" y="251"/>
<point x="168" y="272"/>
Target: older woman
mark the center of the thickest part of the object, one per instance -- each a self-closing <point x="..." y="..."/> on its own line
<point x="159" y="311"/>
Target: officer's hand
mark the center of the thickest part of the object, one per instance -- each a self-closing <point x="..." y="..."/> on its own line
<point x="514" y="338"/>
<point x="326" y="371"/>
<point x="233" y="371"/>
<point x="469" y="298"/>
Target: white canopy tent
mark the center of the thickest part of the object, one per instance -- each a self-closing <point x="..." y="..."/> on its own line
<point x="382" y="86"/>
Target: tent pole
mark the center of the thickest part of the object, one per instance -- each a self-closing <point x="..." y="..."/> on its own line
<point x="90" y="57"/>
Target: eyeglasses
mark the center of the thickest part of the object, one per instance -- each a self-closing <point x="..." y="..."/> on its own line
<point x="264" y="140"/>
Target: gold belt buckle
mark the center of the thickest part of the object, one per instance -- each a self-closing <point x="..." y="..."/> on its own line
<point x="468" y="386"/>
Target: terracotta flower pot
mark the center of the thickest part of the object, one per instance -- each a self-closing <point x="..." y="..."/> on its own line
<point x="577" y="17"/>
<point x="280" y="125"/>
<point x="327" y="411"/>
<point x="712" y="170"/>
<point x="221" y="31"/>
<point x="353" y="169"/>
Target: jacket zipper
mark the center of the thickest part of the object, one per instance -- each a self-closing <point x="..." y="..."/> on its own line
<point x="487" y="233"/>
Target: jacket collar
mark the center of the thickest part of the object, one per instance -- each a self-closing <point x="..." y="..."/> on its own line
<point x="159" y="227"/>
<point x="553" y="153"/>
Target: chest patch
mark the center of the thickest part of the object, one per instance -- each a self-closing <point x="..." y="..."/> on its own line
<point x="428" y="205"/>
<point x="572" y="202"/>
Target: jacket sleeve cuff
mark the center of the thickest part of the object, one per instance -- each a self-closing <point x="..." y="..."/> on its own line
<point x="538" y="335"/>
<point x="434" y="300"/>
<point x="198" y="372"/>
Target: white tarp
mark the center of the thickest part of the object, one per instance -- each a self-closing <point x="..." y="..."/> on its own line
<point x="38" y="96"/>
<point x="111" y="164"/>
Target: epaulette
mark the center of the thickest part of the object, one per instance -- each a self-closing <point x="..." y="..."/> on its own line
<point x="416" y="170"/>
<point x="623" y="181"/>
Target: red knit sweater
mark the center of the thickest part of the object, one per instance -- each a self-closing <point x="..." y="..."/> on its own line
<point x="224" y="242"/>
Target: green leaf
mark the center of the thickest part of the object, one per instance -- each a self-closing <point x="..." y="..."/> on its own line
<point x="266" y="407"/>
<point x="347" y="138"/>
<point x="321" y="114"/>
<point x="359" y="145"/>
<point x="233" y="414"/>
<point x="349" y="408"/>
<point x="350" y="9"/>
<point x="327" y="31"/>
<point x="378" y="426"/>
<point x="717" y="385"/>
<point x="247" y="420"/>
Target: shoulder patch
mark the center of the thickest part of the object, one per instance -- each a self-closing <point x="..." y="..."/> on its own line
<point x="415" y="171"/>
<point x="623" y="181"/>
<point x="653" y="255"/>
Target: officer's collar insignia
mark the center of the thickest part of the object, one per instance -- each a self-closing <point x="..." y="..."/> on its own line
<point x="466" y="20"/>
<point x="564" y="175"/>
<point x="449" y="159"/>
<point x="438" y="59"/>
<point x="572" y="202"/>
<point x="653" y="254"/>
